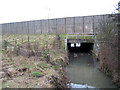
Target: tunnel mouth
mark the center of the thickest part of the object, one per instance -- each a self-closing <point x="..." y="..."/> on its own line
<point x="84" y="48"/>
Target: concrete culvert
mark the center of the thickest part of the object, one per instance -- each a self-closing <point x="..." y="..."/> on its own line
<point x="84" y="47"/>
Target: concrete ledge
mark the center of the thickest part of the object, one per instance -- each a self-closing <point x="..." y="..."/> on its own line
<point x="80" y="40"/>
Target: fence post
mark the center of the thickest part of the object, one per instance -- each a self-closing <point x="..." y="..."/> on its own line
<point x="16" y="41"/>
<point x="5" y="45"/>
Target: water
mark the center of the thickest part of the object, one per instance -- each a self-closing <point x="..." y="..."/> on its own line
<point x="82" y="71"/>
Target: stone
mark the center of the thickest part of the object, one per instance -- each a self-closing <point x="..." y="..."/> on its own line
<point x="11" y="70"/>
<point x="2" y="74"/>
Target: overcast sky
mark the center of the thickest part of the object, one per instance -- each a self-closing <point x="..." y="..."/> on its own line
<point x="24" y="10"/>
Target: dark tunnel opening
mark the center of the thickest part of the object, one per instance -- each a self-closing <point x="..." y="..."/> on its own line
<point x="84" y="48"/>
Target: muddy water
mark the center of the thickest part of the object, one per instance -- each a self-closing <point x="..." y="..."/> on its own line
<point x="82" y="71"/>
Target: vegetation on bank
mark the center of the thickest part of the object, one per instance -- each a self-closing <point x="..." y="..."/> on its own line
<point x="106" y="48"/>
<point x="34" y="64"/>
<point x="81" y="37"/>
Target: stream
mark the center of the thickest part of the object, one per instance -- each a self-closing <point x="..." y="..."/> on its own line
<point x="83" y="73"/>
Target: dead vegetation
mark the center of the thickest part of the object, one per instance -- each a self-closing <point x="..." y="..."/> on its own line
<point x="30" y="66"/>
<point x="108" y="52"/>
<point x="109" y="62"/>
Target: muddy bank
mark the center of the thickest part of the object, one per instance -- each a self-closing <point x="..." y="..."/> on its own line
<point x="30" y="66"/>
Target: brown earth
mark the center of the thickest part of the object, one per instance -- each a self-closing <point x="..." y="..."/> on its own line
<point x="21" y="64"/>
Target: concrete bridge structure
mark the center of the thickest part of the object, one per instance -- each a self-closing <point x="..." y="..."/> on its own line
<point x="77" y="40"/>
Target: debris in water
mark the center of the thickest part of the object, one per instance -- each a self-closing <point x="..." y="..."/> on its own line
<point x="80" y="86"/>
<point x="75" y="55"/>
<point x="81" y="54"/>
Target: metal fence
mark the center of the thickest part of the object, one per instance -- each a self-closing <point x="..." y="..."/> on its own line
<point x="69" y="25"/>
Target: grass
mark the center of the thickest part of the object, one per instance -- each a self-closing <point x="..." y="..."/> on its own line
<point x="2" y="51"/>
<point x="55" y="67"/>
<point x="43" y="40"/>
<point x="11" y="63"/>
<point x="44" y="65"/>
<point x="8" y="85"/>
<point x="37" y="69"/>
<point x="35" y="84"/>
<point x="81" y="37"/>
<point x="32" y="38"/>
<point x="36" y="73"/>
<point x="54" y="53"/>
<point x="15" y="67"/>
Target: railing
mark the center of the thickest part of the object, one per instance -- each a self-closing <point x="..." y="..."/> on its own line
<point x="8" y="44"/>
